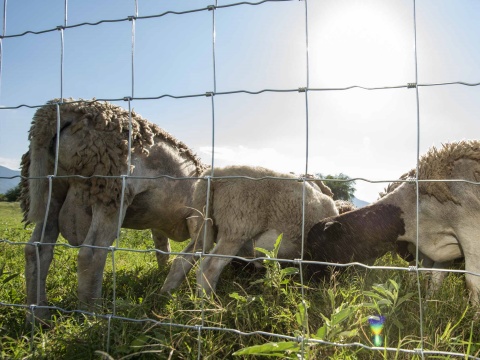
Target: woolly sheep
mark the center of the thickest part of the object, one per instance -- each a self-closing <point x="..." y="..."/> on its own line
<point x="245" y="214"/>
<point x="448" y="217"/>
<point x="94" y="140"/>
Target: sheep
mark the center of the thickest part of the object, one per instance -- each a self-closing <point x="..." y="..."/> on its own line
<point x="94" y="140"/>
<point x="245" y="214"/>
<point x="448" y="212"/>
<point x="344" y="206"/>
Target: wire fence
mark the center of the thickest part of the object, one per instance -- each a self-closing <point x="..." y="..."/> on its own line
<point x="215" y="10"/>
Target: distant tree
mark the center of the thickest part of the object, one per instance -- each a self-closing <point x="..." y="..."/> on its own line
<point x="342" y="190"/>
<point x="13" y="194"/>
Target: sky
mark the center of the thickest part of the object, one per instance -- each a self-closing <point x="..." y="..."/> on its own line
<point x="369" y="134"/>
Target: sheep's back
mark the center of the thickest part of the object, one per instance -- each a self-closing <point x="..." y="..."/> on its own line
<point x="246" y="207"/>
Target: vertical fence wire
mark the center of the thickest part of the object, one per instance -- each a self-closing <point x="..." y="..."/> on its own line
<point x="417" y="205"/>
<point x="62" y="44"/>
<point x="133" y="19"/>
<point x="304" y="184"/>
<point x="212" y="9"/>
<point x="4" y="32"/>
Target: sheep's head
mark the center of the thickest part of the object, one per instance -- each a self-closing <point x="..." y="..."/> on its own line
<point x="359" y="235"/>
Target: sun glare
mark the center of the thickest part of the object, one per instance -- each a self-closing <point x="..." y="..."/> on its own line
<point x="367" y="43"/>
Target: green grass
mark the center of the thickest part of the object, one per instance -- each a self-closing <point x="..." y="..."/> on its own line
<point x="338" y="307"/>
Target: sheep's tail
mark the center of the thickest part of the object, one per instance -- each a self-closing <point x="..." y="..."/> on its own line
<point x="24" y="192"/>
<point x="42" y="134"/>
<point x="38" y="188"/>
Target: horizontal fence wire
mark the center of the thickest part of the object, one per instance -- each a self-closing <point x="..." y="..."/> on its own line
<point x="248" y="260"/>
<point x="249" y="92"/>
<point x="127" y="177"/>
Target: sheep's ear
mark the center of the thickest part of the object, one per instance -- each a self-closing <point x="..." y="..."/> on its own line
<point x="332" y="225"/>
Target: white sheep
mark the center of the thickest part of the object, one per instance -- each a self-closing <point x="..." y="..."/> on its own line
<point x="94" y="143"/>
<point x="244" y="214"/>
<point x="448" y="217"/>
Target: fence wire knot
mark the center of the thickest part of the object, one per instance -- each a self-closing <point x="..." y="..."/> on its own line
<point x="209" y="93"/>
<point x="60" y="27"/>
<point x="211" y="7"/>
<point x="302" y="89"/>
<point x="411" y="85"/>
<point x="127" y="98"/>
<point x="297" y="261"/>
<point x="131" y="17"/>
<point x="412" y="268"/>
<point x="411" y="180"/>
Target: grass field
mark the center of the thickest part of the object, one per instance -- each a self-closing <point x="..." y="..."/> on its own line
<point x="338" y="308"/>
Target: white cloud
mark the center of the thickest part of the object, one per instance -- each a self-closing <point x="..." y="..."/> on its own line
<point x="270" y="158"/>
<point x="10" y="163"/>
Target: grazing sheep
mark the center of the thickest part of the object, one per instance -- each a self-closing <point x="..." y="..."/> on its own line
<point x="409" y="250"/>
<point x="448" y="216"/>
<point x="94" y="140"/>
<point x="245" y="214"/>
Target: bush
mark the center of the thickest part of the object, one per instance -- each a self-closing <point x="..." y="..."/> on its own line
<point x="13" y="194"/>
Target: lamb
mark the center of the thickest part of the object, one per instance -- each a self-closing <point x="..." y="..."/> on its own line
<point x="448" y="217"/>
<point x="94" y="140"/>
<point x="247" y="213"/>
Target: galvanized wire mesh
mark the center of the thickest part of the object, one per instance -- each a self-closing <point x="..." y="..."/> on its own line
<point x="215" y="10"/>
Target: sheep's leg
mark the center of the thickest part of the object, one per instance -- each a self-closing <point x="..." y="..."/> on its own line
<point x="183" y="263"/>
<point x="473" y="281"/>
<point x="161" y="243"/>
<point x="436" y="277"/>
<point x="212" y="266"/>
<point x="91" y="260"/>
<point x="180" y="267"/>
<point x="36" y="269"/>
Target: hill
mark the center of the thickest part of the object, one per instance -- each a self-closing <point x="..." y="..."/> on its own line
<point x="359" y="203"/>
<point x="5" y="182"/>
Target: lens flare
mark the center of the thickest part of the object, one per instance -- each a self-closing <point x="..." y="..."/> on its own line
<point x="376" y="325"/>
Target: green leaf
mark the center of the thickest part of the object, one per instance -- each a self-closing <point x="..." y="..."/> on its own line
<point x="139" y="341"/>
<point x="8" y="278"/>
<point x="290" y="271"/>
<point x="263" y="251"/>
<point x="395" y="284"/>
<point x="370" y="305"/>
<point x="342" y="315"/>
<point x="301" y="314"/>
<point x="238" y="297"/>
<point x="404" y="298"/>
<point x="385" y="302"/>
<point x="276" y="247"/>
<point x="373" y="295"/>
<point x="321" y="333"/>
<point x="348" y="334"/>
<point x="447" y="332"/>
<point x="271" y="348"/>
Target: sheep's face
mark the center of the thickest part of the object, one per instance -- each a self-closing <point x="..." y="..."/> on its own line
<point x="360" y="235"/>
